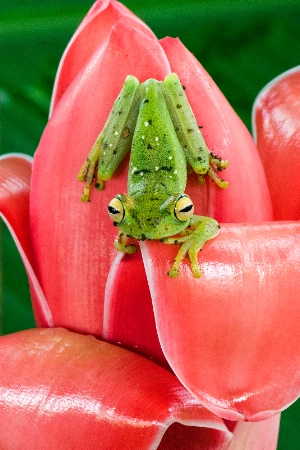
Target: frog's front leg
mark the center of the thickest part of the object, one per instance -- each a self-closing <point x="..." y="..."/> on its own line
<point x="114" y="140"/>
<point x="200" y="230"/>
<point x="121" y="244"/>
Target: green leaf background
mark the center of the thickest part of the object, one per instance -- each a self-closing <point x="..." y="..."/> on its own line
<point x="242" y="43"/>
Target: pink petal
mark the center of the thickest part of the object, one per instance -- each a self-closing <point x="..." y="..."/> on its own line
<point x="15" y="173"/>
<point x="276" y="119"/>
<point x="256" y="435"/>
<point x="194" y="438"/>
<point x="73" y="241"/>
<point x="90" y="36"/>
<point x="63" y="390"/>
<point x="232" y="336"/>
<point x="247" y="198"/>
<point x="128" y="310"/>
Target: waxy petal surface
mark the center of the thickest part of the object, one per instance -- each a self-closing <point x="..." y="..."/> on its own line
<point x="261" y="435"/>
<point x="232" y="336"/>
<point x="63" y="390"/>
<point x="15" y="173"/>
<point x="91" y="35"/>
<point x="73" y="241"/>
<point x="128" y="310"/>
<point x="276" y="118"/>
<point x="247" y="198"/>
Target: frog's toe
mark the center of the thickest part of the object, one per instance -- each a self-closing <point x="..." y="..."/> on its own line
<point x="193" y="257"/>
<point x="197" y="272"/>
<point x="174" y="271"/>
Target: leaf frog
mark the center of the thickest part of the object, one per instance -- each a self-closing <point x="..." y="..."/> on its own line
<point x="156" y="121"/>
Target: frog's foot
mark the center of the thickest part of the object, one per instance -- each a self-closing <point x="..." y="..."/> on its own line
<point x="216" y="164"/>
<point x="121" y="244"/>
<point x="185" y="247"/>
<point x="205" y="229"/>
<point x="88" y="171"/>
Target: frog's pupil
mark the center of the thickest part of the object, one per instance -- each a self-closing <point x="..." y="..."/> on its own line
<point x="113" y="210"/>
<point x="187" y="208"/>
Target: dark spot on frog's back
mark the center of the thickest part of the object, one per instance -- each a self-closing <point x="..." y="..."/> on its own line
<point x="137" y="172"/>
<point x="126" y="132"/>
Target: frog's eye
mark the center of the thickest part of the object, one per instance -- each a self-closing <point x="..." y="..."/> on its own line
<point x="116" y="210"/>
<point x="184" y="208"/>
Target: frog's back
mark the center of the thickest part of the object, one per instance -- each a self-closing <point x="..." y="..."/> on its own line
<point x="157" y="160"/>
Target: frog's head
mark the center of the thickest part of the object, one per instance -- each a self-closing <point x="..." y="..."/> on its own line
<point x="151" y="216"/>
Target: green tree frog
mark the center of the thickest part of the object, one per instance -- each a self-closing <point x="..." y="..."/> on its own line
<point x="156" y="121"/>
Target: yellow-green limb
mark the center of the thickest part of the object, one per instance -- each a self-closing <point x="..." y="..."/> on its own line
<point x="121" y="244"/>
<point x="88" y="171"/>
<point x="205" y="229"/>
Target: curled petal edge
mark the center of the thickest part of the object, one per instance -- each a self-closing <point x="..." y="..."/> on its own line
<point x="256" y="435"/>
<point x="275" y="123"/>
<point x="15" y="172"/>
<point x="89" y="397"/>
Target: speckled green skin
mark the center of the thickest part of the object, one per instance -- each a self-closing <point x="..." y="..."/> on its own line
<point x="158" y="161"/>
<point x="155" y="120"/>
<point x="157" y="170"/>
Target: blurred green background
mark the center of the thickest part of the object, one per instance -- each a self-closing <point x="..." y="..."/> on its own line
<point x="243" y="44"/>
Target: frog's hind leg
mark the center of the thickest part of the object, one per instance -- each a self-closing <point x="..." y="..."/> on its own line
<point x="114" y="140"/>
<point x="217" y="164"/>
<point x="205" y="228"/>
<point x="199" y="157"/>
<point x="88" y="171"/>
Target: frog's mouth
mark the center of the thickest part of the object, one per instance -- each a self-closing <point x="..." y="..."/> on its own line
<point x="154" y="229"/>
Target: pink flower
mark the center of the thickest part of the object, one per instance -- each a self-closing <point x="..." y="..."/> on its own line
<point x="227" y="343"/>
